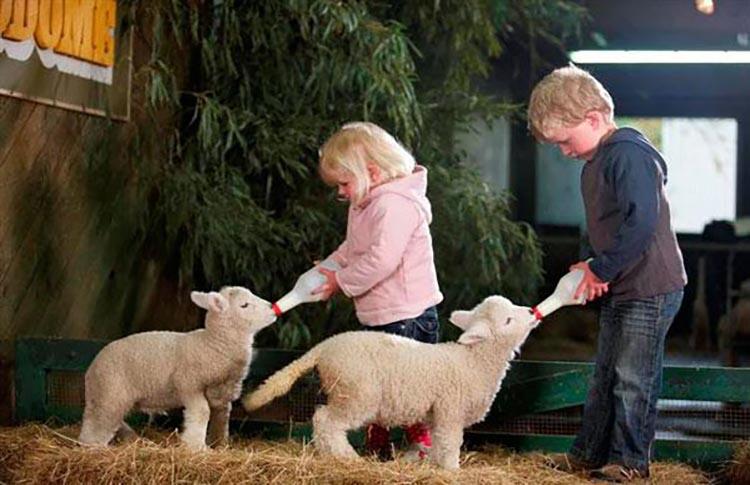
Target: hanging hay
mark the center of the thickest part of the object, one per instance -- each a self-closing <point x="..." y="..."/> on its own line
<point x="738" y="470"/>
<point x="41" y="455"/>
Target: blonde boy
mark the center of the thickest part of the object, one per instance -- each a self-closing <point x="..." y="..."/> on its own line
<point x="636" y="263"/>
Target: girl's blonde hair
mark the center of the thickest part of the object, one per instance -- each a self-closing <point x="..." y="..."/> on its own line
<point x="563" y="98"/>
<point x="353" y="146"/>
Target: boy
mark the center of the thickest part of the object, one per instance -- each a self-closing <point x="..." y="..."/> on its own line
<point x="636" y="261"/>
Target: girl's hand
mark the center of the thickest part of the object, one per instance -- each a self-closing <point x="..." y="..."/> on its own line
<point x="591" y="286"/>
<point x="330" y="287"/>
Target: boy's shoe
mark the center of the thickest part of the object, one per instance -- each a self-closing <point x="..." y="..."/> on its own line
<point x="565" y="462"/>
<point x="614" y="473"/>
<point x="378" y="442"/>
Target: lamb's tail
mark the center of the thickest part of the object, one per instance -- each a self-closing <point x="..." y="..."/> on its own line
<point x="280" y="382"/>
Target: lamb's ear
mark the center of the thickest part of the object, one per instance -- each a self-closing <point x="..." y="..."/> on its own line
<point x="477" y="332"/>
<point x="210" y="301"/>
<point x="461" y="318"/>
<point x="200" y="299"/>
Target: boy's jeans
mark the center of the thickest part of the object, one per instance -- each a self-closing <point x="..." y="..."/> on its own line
<point x="619" y="417"/>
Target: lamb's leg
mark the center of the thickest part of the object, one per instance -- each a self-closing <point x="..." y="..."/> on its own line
<point x="330" y="425"/>
<point x="101" y="422"/>
<point x="195" y="423"/>
<point x="446" y="445"/>
<point x="125" y="433"/>
<point x="218" y="425"/>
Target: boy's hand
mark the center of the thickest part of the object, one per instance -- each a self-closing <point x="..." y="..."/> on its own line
<point x="330" y="287"/>
<point x="591" y="286"/>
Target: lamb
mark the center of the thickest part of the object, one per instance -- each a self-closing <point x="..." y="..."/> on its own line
<point x="201" y="371"/>
<point x="394" y="381"/>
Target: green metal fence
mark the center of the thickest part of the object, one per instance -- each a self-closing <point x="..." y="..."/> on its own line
<point x="703" y="412"/>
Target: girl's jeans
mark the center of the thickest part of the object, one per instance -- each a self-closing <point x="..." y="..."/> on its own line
<point x="619" y="416"/>
<point x="424" y="328"/>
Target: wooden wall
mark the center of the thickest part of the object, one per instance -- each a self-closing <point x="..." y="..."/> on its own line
<point x="73" y="262"/>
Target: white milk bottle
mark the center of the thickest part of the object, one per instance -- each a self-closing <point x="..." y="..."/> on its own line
<point x="306" y="283"/>
<point x="563" y="295"/>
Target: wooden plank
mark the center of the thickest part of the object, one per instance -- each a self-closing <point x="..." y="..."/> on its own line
<point x="34" y="358"/>
<point x="29" y="379"/>
<point x="681" y="382"/>
<point x="726" y="384"/>
<point x="526" y="379"/>
<point x="67" y="228"/>
<point x="98" y="238"/>
<point x="540" y="394"/>
<point x="13" y="125"/>
<point x="92" y="253"/>
<point x="7" y="391"/>
<point x="709" y="455"/>
<point x="522" y="370"/>
<point x="102" y="269"/>
<point x="706" y="454"/>
<point x="31" y="202"/>
<point x="525" y="394"/>
<point x="12" y="169"/>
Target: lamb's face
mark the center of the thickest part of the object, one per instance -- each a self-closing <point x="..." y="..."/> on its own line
<point x="237" y="305"/>
<point x="495" y="318"/>
<point x="245" y="307"/>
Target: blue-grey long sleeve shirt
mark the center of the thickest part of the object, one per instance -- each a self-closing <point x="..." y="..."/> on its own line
<point x="628" y="218"/>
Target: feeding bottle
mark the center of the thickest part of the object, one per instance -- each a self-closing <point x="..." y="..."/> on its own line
<point x="563" y="295"/>
<point x="306" y="283"/>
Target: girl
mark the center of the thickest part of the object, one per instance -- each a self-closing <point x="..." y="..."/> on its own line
<point x="386" y="260"/>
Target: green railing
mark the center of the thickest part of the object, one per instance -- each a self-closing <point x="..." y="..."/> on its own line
<point x="530" y="388"/>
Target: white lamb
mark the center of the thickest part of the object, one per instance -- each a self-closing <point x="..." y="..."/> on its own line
<point x="374" y="377"/>
<point x="201" y="371"/>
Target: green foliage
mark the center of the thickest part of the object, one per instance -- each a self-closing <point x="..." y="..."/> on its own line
<point x="253" y="88"/>
<point x="481" y="250"/>
<point x="541" y="25"/>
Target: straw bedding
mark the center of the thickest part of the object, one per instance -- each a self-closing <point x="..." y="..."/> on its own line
<point x="37" y="454"/>
<point x="738" y="470"/>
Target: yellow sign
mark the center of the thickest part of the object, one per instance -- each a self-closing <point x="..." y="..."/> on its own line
<point x="61" y="38"/>
<point x="78" y="28"/>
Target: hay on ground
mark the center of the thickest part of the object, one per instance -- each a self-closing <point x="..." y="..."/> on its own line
<point x="38" y="454"/>
<point x="738" y="470"/>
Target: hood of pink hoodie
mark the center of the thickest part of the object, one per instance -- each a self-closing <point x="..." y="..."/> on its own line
<point x="412" y="186"/>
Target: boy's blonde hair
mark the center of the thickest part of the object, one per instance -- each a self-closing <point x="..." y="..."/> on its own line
<point x="563" y="98"/>
<point x="356" y="144"/>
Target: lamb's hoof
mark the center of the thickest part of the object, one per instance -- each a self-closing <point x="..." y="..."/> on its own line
<point x="416" y="453"/>
<point x="88" y="444"/>
<point x="92" y="441"/>
<point x="195" y="445"/>
<point x="125" y="435"/>
<point x="219" y="443"/>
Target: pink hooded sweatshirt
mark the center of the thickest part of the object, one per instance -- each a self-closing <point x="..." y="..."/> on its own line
<point x="387" y="261"/>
